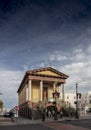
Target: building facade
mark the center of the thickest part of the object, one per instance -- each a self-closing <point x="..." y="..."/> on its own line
<point x="70" y="99"/>
<point x="39" y="85"/>
<point x="86" y="99"/>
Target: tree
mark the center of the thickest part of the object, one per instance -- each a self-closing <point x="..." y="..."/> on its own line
<point x="1" y="103"/>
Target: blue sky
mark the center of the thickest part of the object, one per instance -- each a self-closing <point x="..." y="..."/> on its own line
<point x="42" y="33"/>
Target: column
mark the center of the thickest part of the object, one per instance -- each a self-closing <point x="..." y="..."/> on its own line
<point x="48" y="94"/>
<point x="60" y="96"/>
<point x="29" y="90"/>
<point x="63" y="92"/>
<point x="41" y="90"/>
<point x="54" y="87"/>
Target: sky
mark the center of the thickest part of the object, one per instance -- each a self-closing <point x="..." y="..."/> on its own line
<point x="41" y="33"/>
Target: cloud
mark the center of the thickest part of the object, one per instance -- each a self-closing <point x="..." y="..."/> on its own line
<point x="57" y="56"/>
<point x="89" y="49"/>
<point x="77" y="65"/>
<point x="9" y="83"/>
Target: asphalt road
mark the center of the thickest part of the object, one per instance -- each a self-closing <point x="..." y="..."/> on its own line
<point x="85" y="123"/>
<point x="82" y="124"/>
<point x="26" y="127"/>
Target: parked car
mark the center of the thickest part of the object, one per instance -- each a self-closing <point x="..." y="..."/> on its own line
<point x="8" y="114"/>
<point x="89" y="110"/>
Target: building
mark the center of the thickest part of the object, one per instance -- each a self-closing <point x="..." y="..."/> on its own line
<point x="70" y="99"/>
<point x="86" y="99"/>
<point x="83" y="101"/>
<point x="39" y="85"/>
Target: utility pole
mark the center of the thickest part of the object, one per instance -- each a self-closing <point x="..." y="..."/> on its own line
<point x="76" y="96"/>
<point x="77" y="109"/>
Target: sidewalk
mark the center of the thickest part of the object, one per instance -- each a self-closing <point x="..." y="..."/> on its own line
<point x="22" y="120"/>
<point x="52" y="123"/>
<point x="47" y="123"/>
<point x="58" y="126"/>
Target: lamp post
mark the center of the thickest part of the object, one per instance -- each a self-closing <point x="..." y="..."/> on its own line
<point x="55" y="96"/>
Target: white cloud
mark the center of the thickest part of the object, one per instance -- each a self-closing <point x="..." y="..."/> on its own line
<point x="77" y="65"/>
<point x="42" y="64"/>
<point x="25" y="67"/>
<point x="79" y="69"/>
<point x="57" y="56"/>
<point x="9" y="83"/>
<point x="77" y="50"/>
<point x="79" y="56"/>
<point x="89" y="49"/>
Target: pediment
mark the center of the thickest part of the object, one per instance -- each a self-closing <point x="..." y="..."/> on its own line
<point x="47" y="72"/>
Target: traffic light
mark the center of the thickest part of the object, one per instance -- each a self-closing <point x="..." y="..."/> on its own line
<point x="75" y="102"/>
<point x="79" y="95"/>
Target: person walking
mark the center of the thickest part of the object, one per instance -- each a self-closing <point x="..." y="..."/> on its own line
<point x="43" y="115"/>
<point x="61" y="114"/>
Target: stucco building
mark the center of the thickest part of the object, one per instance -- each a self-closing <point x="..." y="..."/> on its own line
<point x="39" y="85"/>
<point x="70" y="99"/>
<point x="86" y="100"/>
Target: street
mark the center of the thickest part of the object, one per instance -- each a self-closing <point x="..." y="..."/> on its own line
<point x="26" y="127"/>
<point x="85" y="123"/>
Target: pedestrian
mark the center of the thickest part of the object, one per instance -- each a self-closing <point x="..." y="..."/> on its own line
<point x="53" y="113"/>
<point x="49" y="114"/>
<point x="61" y="114"/>
<point x="43" y="115"/>
<point x="71" y="113"/>
<point x="85" y="110"/>
<point x="12" y="116"/>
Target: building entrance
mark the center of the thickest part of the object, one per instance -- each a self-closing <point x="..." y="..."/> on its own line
<point x="45" y="93"/>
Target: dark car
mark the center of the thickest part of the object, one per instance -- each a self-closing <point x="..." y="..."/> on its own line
<point x="89" y="110"/>
<point x="8" y="114"/>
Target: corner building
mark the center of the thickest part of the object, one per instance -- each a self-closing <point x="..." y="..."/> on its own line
<point x="39" y="85"/>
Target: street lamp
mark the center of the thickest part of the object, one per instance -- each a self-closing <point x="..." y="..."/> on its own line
<point x="55" y="96"/>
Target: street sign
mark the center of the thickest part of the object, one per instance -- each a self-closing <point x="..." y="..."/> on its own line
<point x="16" y="108"/>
